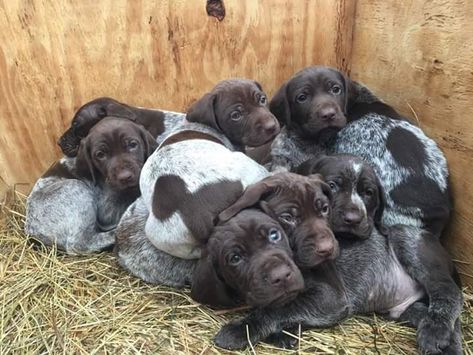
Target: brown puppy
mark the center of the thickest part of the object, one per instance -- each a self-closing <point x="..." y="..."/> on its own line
<point x="114" y="152"/>
<point x="79" y="201"/>
<point x="154" y="121"/>
<point x="302" y="206"/>
<point x="239" y="109"/>
<point x="247" y="260"/>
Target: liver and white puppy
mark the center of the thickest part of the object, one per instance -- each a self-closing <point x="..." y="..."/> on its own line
<point x="406" y="276"/>
<point x="198" y="171"/>
<point x="323" y="111"/>
<point x="297" y="202"/>
<point x="156" y="122"/>
<point x="247" y="260"/>
<point x="78" y="202"/>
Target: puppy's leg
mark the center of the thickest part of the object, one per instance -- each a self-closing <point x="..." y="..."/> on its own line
<point x="137" y="255"/>
<point x="320" y="305"/>
<point x="283" y="340"/>
<point x="425" y="260"/>
<point x="64" y="212"/>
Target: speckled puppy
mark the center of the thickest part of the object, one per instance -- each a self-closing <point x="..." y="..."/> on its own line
<point x="325" y="112"/>
<point x="78" y="202"/>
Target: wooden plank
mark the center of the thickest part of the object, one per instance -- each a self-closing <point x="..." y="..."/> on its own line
<point x="417" y="55"/>
<point x="56" y="55"/>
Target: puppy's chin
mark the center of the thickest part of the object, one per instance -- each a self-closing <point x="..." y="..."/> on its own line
<point x="129" y="187"/>
<point x="320" y="134"/>
<point x="258" y="141"/>
<point x="69" y="144"/>
<point x="275" y="298"/>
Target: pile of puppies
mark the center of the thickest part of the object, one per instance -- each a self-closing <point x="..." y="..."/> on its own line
<point x="338" y="212"/>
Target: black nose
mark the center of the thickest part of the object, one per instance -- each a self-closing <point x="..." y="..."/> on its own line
<point x="280" y="274"/>
<point x="328" y="113"/>
<point x="352" y="217"/>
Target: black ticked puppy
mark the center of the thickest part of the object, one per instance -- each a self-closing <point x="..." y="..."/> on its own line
<point x="359" y="205"/>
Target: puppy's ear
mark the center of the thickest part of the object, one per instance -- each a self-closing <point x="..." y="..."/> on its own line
<point x="117" y="109"/>
<point x="84" y="165"/>
<point x="311" y="166"/>
<point x="207" y="287"/>
<point x="279" y="106"/>
<point x="149" y="142"/>
<point x="326" y="189"/>
<point x="378" y="215"/>
<point x="352" y="90"/>
<point x="250" y="196"/>
<point x="258" y="85"/>
<point x="203" y="111"/>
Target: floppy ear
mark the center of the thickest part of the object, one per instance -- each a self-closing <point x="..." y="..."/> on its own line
<point x="324" y="186"/>
<point x="203" y="111"/>
<point x="279" y="106"/>
<point x="378" y="215"/>
<point x="149" y="142"/>
<point x="84" y="164"/>
<point x="258" y="85"/>
<point x="311" y="166"/>
<point x="117" y="109"/>
<point x="207" y="287"/>
<point x="250" y="196"/>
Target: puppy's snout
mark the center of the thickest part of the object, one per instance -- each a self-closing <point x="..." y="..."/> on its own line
<point x="328" y="113"/>
<point x="352" y="218"/>
<point x="280" y="275"/>
<point x="125" y="177"/>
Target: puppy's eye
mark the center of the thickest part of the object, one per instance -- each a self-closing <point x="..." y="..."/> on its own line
<point x="263" y="100"/>
<point x="132" y="145"/>
<point x="369" y="192"/>
<point x="234" y="259"/>
<point x="336" y="90"/>
<point x="286" y="217"/>
<point x="333" y="186"/>
<point x="235" y="115"/>
<point x="274" y="235"/>
<point x="325" y="210"/>
<point x="100" y="155"/>
<point x="301" y="98"/>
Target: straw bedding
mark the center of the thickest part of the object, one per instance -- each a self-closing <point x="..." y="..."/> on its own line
<point x="52" y="303"/>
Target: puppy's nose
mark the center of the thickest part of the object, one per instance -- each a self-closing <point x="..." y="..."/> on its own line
<point x="270" y="128"/>
<point x="125" y="176"/>
<point x="328" y="113"/>
<point x="352" y="218"/>
<point x="325" y="247"/>
<point x="280" y="274"/>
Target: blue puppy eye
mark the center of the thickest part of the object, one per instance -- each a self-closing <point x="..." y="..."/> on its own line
<point x="274" y="235"/>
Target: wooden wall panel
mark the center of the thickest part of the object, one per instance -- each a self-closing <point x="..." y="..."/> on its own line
<point x="418" y="56"/>
<point x="57" y="55"/>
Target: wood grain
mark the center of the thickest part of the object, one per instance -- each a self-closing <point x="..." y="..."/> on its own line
<point x="57" y="55"/>
<point x="417" y="55"/>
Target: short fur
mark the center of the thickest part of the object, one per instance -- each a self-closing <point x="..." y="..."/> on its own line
<point x="78" y="202"/>
<point x="407" y="276"/>
<point x="156" y="122"/>
<point x="248" y="260"/>
<point x="410" y="166"/>
<point x="199" y="170"/>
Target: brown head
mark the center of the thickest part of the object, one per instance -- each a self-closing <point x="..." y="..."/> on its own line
<point x="358" y="202"/>
<point x="302" y="206"/>
<point x="238" y="108"/>
<point x="247" y="259"/>
<point x="313" y="102"/>
<point x="114" y="152"/>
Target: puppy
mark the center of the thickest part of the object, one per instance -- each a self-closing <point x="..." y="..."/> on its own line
<point x="406" y="276"/>
<point x="78" y="202"/>
<point x="199" y="170"/>
<point x="156" y="122"/>
<point x="297" y="202"/>
<point x="247" y="260"/>
<point x="325" y="112"/>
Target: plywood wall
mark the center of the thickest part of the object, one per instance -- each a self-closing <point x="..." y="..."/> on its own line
<point x="57" y="55"/>
<point x="418" y="55"/>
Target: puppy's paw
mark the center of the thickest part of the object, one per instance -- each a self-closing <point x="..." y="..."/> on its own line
<point x="433" y="335"/>
<point x="282" y="340"/>
<point x="232" y="336"/>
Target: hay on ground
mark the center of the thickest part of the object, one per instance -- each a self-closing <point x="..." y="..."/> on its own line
<point x="52" y="303"/>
